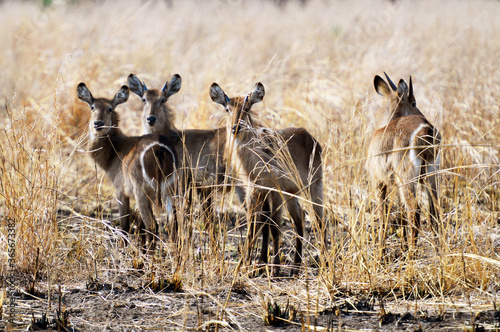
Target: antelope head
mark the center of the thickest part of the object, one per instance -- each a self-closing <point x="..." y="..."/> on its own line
<point x="103" y="119"/>
<point x="156" y="115"/>
<point x="400" y="99"/>
<point x="240" y="107"/>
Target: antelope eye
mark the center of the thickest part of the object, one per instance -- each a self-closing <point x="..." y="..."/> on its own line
<point x="414" y="104"/>
<point x="143" y="100"/>
<point x="110" y="109"/>
<point x="163" y="100"/>
<point x="92" y="107"/>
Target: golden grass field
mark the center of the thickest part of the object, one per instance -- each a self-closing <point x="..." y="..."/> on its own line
<point x="317" y="63"/>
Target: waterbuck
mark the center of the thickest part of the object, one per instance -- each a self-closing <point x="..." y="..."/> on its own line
<point x="404" y="151"/>
<point x="278" y="165"/>
<point x="200" y="151"/>
<point x="141" y="167"/>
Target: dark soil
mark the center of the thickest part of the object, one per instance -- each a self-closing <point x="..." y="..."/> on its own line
<point x="121" y="307"/>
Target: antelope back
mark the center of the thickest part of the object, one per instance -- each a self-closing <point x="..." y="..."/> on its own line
<point x="157" y="116"/>
<point x="103" y="119"/>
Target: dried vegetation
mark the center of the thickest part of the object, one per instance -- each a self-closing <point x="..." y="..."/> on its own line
<point x="317" y="63"/>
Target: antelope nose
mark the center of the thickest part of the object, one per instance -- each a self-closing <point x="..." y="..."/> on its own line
<point x="235" y="129"/>
<point x="98" y="124"/>
<point x="151" y="120"/>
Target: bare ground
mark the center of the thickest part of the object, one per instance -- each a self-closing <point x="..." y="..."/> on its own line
<point x="131" y="307"/>
<point x="127" y="301"/>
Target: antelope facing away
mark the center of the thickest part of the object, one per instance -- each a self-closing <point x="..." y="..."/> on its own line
<point x="141" y="167"/>
<point x="278" y="165"/>
<point x="404" y="151"/>
<point x="200" y="151"/>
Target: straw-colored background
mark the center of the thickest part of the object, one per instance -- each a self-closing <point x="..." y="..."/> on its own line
<point x="317" y="63"/>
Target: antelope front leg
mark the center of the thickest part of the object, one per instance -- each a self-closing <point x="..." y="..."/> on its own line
<point x="317" y="199"/>
<point x="125" y="215"/>
<point x="124" y="212"/>
<point x="275" y="231"/>
<point x="208" y="213"/>
<point x="297" y="216"/>
<point x="255" y="205"/>
<point x="383" y="216"/>
<point x="264" y="222"/>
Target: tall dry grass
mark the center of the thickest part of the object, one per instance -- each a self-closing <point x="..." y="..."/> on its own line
<point x="317" y="63"/>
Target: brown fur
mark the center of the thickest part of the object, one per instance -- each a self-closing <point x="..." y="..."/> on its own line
<point x="404" y="152"/>
<point x="200" y="151"/>
<point x="280" y="165"/>
<point x="123" y="157"/>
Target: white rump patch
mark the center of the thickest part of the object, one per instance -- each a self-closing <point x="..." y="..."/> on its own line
<point x="145" y="175"/>
<point x="414" y="158"/>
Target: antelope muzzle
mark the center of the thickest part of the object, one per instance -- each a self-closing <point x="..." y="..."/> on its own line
<point x="98" y="125"/>
<point x="151" y="120"/>
<point x="236" y="129"/>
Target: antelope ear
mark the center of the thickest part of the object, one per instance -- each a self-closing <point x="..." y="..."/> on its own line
<point x="381" y="86"/>
<point x="84" y="94"/>
<point x="136" y="86"/>
<point x="410" y="93"/>
<point x="121" y="96"/>
<point x="411" y="96"/>
<point x="257" y="93"/>
<point x="402" y="88"/>
<point x="173" y="86"/>
<point x="391" y="84"/>
<point x="218" y="96"/>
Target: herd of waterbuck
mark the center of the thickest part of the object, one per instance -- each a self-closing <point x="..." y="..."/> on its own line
<point x="276" y="167"/>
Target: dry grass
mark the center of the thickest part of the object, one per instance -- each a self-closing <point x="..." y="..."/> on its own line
<point x="317" y="63"/>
